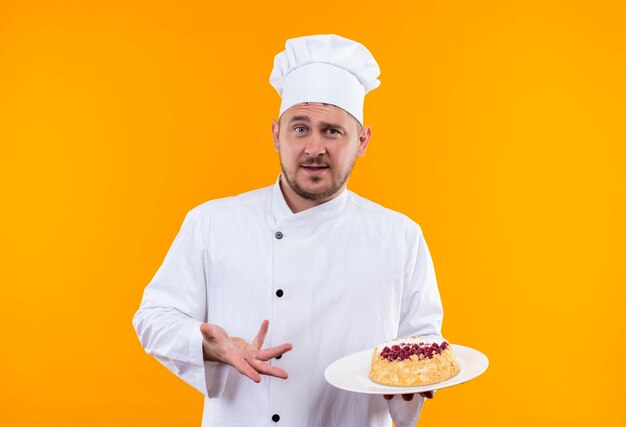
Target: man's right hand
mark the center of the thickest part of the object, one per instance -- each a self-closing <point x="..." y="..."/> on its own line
<point x="249" y="359"/>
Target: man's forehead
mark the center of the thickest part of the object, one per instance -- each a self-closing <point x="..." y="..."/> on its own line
<point x="312" y="110"/>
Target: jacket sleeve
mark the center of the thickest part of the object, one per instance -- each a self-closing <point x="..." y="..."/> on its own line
<point x="173" y="308"/>
<point x="421" y="313"/>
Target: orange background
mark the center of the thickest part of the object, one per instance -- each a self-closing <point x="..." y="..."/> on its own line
<point x="499" y="127"/>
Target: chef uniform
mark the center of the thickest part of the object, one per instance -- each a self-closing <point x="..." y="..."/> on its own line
<point x="334" y="279"/>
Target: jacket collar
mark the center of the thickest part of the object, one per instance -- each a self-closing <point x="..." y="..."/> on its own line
<point x="283" y="214"/>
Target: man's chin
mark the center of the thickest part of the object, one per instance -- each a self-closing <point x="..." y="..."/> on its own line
<point x="313" y="184"/>
<point x="315" y="192"/>
<point x="313" y="188"/>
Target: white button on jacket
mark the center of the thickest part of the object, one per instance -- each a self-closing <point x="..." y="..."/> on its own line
<point x="351" y="274"/>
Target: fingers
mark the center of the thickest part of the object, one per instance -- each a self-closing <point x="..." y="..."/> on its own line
<point x="244" y="368"/>
<point x="267" y="369"/>
<point x="260" y="337"/>
<point x="248" y="359"/>
<point x="253" y="368"/>
<point x="409" y="396"/>
<point x="269" y="353"/>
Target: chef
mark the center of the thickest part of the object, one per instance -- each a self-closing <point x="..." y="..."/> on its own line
<point x="260" y="292"/>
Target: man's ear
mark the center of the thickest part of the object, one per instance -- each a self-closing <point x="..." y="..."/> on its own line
<point x="364" y="139"/>
<point x="275" y="131"/>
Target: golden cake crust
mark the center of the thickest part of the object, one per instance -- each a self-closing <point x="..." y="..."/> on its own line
<point x="415" y="370"/>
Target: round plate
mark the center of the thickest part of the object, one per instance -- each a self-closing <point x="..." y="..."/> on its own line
<point x="351" y="373"/>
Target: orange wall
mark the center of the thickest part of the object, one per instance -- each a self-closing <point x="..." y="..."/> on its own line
<point x="499" y="127"/>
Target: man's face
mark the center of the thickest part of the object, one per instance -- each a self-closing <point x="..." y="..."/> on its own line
<point x="318" y="144"/>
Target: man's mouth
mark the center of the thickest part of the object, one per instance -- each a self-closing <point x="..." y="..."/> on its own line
<point x="314" y="168"/>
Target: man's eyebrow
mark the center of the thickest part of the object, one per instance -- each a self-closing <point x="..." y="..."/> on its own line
<point x="324" y="125"/>
<point x="299" y="119"/>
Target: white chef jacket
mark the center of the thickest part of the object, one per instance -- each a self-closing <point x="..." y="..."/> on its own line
<point x="352" y="274"/>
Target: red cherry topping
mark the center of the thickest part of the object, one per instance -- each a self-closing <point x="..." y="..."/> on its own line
<point x="421" y="350"/>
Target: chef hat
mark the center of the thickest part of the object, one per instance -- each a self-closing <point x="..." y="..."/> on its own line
<point x="325" y="68"/>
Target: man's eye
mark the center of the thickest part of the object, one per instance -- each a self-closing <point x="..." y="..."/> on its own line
<point x="333" y="131"/>
<point x="299" y="129"/>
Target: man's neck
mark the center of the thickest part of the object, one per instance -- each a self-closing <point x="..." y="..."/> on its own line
<point x="298" y="203"/>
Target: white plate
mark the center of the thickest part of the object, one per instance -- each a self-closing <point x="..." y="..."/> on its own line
<point x="351" y="373"/>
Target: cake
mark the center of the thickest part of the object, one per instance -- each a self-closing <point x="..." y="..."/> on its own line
<point x="413" y="361"/>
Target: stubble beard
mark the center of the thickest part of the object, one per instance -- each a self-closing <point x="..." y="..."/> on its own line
<point x="322" y="194"/>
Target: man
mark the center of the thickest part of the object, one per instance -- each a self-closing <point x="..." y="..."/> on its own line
<point x="324" y="272"/>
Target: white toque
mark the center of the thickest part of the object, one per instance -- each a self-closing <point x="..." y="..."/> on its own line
<point x="325" y="68"/>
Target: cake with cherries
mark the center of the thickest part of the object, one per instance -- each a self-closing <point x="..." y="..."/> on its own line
<point x="413" y="361"/>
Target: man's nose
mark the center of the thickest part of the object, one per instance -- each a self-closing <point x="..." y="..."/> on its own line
<point x="314" y="146"/>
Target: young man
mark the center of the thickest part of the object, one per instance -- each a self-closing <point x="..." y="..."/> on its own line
<point x="324" y="272"/>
